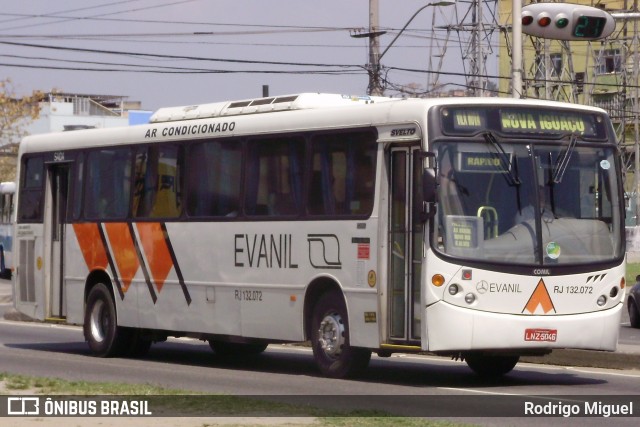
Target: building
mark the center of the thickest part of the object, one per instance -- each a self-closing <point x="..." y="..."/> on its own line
<point x="61" y="111"/>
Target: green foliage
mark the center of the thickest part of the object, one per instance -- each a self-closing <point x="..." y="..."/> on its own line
<point x="15" y="115"/>
<point x="633" y="270"/>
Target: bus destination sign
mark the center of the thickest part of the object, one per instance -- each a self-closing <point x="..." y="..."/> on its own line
<point x="520" y="121"/>
<point x="544" y="122"/>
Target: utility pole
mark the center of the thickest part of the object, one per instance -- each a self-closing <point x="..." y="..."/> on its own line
<point x="516" y="58"/>
<point x="375" y="86"/>
<point x="373" y="67"/>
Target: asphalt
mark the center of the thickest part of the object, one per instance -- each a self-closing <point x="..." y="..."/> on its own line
<point x="627" y="356"/>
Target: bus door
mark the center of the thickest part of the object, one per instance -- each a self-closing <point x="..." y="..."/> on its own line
<point x="405" y="244"/>
<point x="55" y="217"/>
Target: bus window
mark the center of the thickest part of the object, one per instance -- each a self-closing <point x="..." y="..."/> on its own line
<point x="157" y="192"/>
<point x="109" y="183"/>
<point x="274" y="177"/>
<point x="30" y="206"/>
<point x="343" y="175"/>
<point x="78" y="179"/>
<point x="213" y="179"/>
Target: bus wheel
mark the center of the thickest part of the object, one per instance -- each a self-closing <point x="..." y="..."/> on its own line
<point x="234" y="349"/>
<point x="101" y="330"/>
<point x="330" y="340"/>
<point x="491" y="365"/>
<point x="634" y="314"/>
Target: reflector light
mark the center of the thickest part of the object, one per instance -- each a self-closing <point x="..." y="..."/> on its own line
<point x="437" y="280"/>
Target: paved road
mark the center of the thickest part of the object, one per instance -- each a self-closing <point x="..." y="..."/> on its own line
<point x="401" y="385"/>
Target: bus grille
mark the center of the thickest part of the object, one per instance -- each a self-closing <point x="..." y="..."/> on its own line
<point x="26" y="273"/>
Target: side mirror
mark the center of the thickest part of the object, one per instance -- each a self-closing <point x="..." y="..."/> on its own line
<point x="429" y="180"/>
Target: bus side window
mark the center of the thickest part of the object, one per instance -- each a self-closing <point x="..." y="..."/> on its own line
<point x="78" y="179"/>
<point x="213" y="179"/>
<point x="274" y="177"/>
<point x="157" y="182"/>
<point x="109" y="175"/>
<point x="31" y="191"/>
<point x="343" y="176"/>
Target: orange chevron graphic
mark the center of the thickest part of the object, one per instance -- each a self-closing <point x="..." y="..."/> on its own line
<point x="156" y="251"/>
<point x="124" y="248"/>
<point x="91" y="245"/>
<point x="124" y="251"/>
<point x="539" y="297"/>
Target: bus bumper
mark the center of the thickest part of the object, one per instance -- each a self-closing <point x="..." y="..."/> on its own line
<point x="453" y="328"/>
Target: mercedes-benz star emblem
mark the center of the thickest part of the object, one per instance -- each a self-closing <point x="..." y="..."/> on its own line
<point x="482" y="287"/>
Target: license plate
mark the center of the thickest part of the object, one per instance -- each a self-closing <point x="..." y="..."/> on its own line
<point x="549" y="335"/>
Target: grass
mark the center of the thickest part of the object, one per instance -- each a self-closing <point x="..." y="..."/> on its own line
<point x="175" y="400"/>
<point x="633" y="269"/>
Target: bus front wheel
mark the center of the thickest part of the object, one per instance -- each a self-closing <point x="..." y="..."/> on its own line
<point x="101" y="330"/>
<point x="330" y="339"/>
<point x="491" y="365"/>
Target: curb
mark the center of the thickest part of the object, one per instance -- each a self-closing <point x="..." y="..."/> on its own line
<point x="587" y="359"/>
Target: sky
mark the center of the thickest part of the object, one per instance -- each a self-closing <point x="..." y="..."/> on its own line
<point x="185" y="52"/>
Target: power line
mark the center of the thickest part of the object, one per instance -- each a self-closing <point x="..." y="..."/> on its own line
<point x="166" y="56"/>
<point x="164" y="22"/>
<point x="186" y="71"/>
<point x="75" y="18"/>
<point x="21" y="17"/>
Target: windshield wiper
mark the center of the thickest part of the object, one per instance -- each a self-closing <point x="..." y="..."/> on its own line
<point x="565" y="156"/>
<point x="503" y="157"/>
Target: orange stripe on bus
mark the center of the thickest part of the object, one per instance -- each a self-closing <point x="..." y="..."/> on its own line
<point x="91" y="245"/>
<point x="156" y="251"/>
<point x="124" y="251"/>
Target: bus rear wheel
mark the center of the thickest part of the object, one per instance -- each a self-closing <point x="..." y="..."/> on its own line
<point x="101" y="330"/>
<point x="487" y="365"/>
<point x="330" y="339"/>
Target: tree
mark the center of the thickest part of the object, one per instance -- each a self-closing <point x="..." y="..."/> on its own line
<point x="15" y="115"/>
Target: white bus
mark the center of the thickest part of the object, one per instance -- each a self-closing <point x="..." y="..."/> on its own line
<point x="7" y="191"/>
<point x="483" y="229"/>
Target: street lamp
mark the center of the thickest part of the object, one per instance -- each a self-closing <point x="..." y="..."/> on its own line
<point x="375" y="87"/>
<point x="439" y="3"/>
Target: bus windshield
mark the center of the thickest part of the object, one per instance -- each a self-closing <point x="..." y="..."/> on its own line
<point x="531" y="202"/>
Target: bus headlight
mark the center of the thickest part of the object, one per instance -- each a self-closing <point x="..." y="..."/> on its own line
<point x="453" y="289"/>
<point x="470" y="298"/>
<point x="602" y="300"/>
<point x="614" y="292"/>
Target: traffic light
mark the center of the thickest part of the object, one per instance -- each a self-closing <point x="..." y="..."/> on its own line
<point x="565" y="21"/>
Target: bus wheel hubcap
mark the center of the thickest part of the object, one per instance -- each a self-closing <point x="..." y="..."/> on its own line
<point x="331" y="334"/>
<point x="99" y="321"/>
